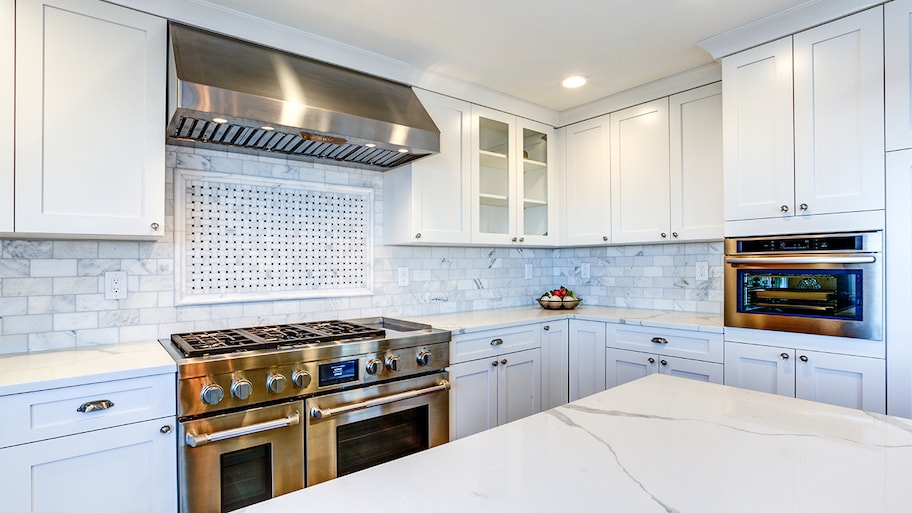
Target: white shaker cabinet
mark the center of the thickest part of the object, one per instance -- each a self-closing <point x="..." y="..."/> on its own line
<point x="898" y="59"/>
<point x="636" y="351"/>
<point x="7" y="83"/>
<point x="899" y="269"/>
<point x="622" y="366"/>
<point x="90" y="119"/>
<point x="809" y="141"/>
<point x="695" y="122"/>
<point x="843" y="380"/>
<point x="555" y="352"/>
<point x="587" y="183"/>
<point x="428" y="201"/>
<point x="587" y="352"/>
<point x="639" y="173"/>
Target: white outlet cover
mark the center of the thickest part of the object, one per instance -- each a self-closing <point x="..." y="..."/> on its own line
<point x="115" y="285"/>
<point x="403" y="276"/>
<point x="702" y="271"/>
<point x="585" y="271"/>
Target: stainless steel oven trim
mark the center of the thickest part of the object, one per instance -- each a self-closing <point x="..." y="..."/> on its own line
<point x="802" y="260"/>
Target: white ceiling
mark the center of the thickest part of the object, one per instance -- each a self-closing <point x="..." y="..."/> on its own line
<point x="524" y="48"/>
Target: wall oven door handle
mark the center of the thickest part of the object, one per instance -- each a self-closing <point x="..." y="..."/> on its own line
<point x="322" y="413"/>
<point x="867" y="259"/>
<point x="205" y="438"/>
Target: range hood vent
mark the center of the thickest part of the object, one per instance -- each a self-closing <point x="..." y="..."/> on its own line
<point x="253" y="99"/>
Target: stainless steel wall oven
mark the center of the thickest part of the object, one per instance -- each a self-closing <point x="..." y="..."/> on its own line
<point x="829" y="284"/>
<point x="267" y="410"/>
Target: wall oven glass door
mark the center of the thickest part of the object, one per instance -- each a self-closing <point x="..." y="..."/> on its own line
<point x="356" y="429"/>
<point x="237" y="459"/>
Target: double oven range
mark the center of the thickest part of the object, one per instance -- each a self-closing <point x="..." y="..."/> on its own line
<point x="267" y="410"/>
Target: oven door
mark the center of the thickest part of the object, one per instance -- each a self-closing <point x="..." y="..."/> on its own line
<point x="233" y="460"/>
<point x="356" y="429"/>
<point x="824" y="294"/>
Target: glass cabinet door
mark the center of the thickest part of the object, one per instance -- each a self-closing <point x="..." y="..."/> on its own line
<point x="494" y="176"/>
<point x="534" y="183"/>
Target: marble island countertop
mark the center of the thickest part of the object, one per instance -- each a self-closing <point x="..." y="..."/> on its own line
<point x="467" y="322"/>
<point x="659" y="444"/>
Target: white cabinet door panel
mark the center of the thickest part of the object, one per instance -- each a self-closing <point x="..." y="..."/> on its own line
<point x="555" y="353"/>
<point x="757" y="119"/>
<point x="622" y="366"/>
<point x="850" y="381"/>
<point x="588" y="183"/>
<point x="691" y="369"/>
<point x="899" y="269"/>
<point x="587" y="352"/>
<point x="473" y="398"/>
<point x="898" y="58"/>
<point x="839" y="115"/>
<point x="519" y="385"/>
<point x="7" y="100"/>
<point x="90" y="113"/>
<point x="761" y="368"/>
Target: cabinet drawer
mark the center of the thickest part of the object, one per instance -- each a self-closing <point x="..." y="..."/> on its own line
<point x="482" y="344"/>
<point x="696" y="345"/>
<point x="51" y="413"/>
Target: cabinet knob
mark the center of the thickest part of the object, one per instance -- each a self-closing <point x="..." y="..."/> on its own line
<point x="605" y="238"/>
<point x="513" y="239"/>
<point x="497" y="342"/>
<point x="784" y="356"/>
<point x="803" y="358"/>
<point x="547" y="327"/>
<point x="658" y="340"/>
<point x="664" y="362"/>
<point x="504" y="361"/>
<point x="418" y="235"/>
<point x="664" y="235"/>
<point x="803" y="207"/>
<point x="165" y="429"/>
<point x="674" y="234"/>
<point x="522" y="239"/>
<point x="651" y="360"/>
<point x="784" y="208"/>
<point x="494" y="363"/>
<point x="155" y="227"/>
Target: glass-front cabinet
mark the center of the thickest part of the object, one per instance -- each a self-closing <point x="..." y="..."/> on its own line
<point x="512" y="180"/>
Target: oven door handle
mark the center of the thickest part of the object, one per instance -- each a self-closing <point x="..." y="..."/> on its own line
<point x="868" y="259"/>
<point x="218" y="436"/>
<point x="322" y="413"/>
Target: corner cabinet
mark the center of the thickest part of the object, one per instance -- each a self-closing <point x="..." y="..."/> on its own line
<point x="428" y="201"/>
<point x="587" y="352"/>
<point x="555" y="352"/>
<point x="587" y="183"/>
<point x="513" y="184"/>
<point x="90" y="120"/>
<point x="495" y="378"/>
<point x="843" y="380"/>
<point x="809" y="141"/>
<point x="898" y="59"/>
<point x="7" y="102"/>
<point x="60" y="455"/>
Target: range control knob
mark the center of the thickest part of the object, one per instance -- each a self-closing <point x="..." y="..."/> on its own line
<point x="300" y="378"/>
<point x="275" y="383"/>
<point x="424" y="357"/>
<point x="392" y="363"/>
<point x="373" y="366"/>
<point x="212" y="394"/>
<point x="241" y="388"/>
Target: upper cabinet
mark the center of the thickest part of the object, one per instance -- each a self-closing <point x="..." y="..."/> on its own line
<point x="587" y="182"/>
<point x="428" y="201"/>
<point x="898" y="57"/>
<point x="7" y="82"/>
<point x="821" y="90"/>
<point x="90" y="120"/>
<point x="513" y="185"/>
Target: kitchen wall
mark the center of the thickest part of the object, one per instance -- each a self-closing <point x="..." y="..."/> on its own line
<point x="52" y="291"/>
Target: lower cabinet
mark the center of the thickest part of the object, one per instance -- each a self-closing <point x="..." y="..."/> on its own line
<point x="622" y="365"/>
<point x="843" y="380"/>
<point x="555" y="352"/>
<point x="587" y="352"/>
<point x="491" y="391"/>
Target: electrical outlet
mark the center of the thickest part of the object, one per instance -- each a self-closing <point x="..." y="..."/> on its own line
<point x="585" y="271"/>
<point x="702" y="271"/>
<point x="528" y="271"/>
<point x="116" y="285"/>
<point x="403" y="277"/>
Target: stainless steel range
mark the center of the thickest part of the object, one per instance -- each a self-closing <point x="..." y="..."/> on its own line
<point x="267" y="410"/>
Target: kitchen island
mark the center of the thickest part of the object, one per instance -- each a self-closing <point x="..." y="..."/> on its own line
<point x="658" y="444"/>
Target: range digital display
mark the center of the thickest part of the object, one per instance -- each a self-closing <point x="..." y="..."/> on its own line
<point x="338" y="372"/>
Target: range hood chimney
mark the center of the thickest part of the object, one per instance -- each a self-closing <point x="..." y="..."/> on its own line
<point x="244" y="97"/>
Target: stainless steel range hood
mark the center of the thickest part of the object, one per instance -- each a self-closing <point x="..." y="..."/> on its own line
<point x="249" y="98"/>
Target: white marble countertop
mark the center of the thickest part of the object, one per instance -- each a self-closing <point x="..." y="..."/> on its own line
<point x="467" y="322"/>
<point x="659" y="444"/>
<point x="28" y="372"/>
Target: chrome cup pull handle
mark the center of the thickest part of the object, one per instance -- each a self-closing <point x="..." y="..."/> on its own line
<point x="101" y="404"/>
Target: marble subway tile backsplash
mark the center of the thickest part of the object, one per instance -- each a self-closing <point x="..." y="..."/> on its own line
<point x="52" y="291"/>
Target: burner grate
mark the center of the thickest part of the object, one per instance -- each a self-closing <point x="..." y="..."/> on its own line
<point x="271" y="337"/>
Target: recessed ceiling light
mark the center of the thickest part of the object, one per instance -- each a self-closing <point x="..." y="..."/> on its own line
<point x="219" y="120"/>
<point x="574" y="82"/>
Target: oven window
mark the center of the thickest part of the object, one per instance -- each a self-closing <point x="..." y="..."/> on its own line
<point x="246" y="477"/>
<point x="370" y="442"/>
<point x="831" y="294"/>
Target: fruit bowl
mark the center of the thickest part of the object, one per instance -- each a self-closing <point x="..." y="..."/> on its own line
<point x="559" y="305"/>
